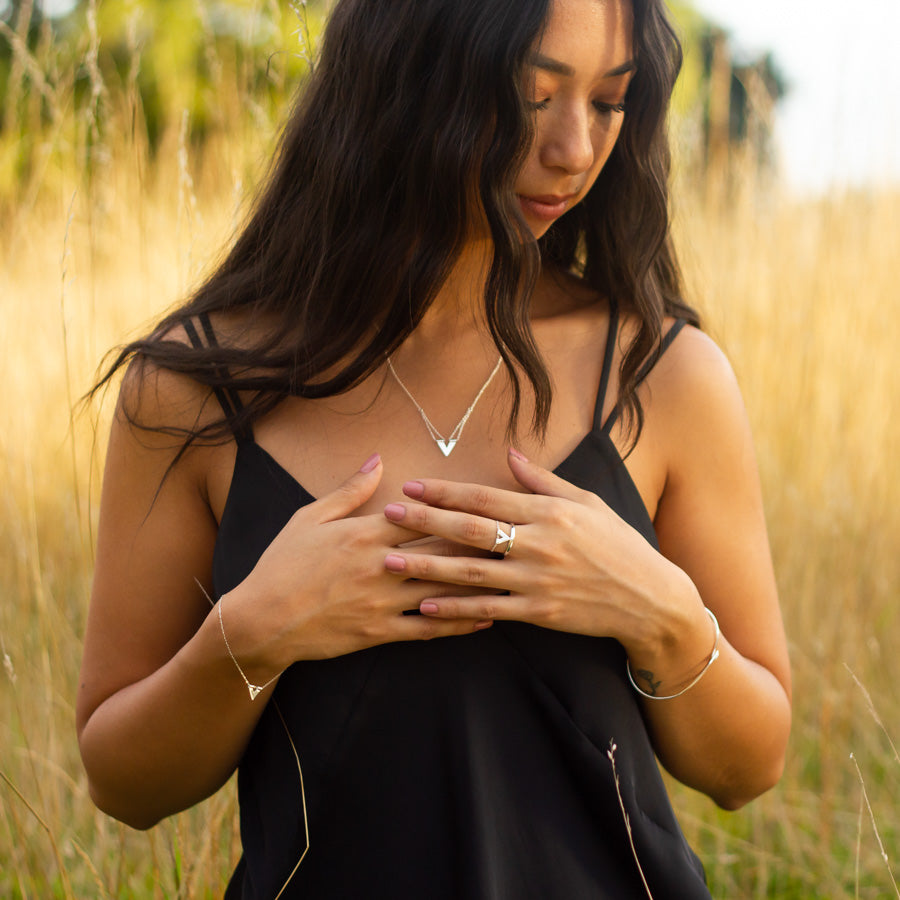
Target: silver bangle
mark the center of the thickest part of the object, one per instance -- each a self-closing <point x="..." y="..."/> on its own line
<point x="712" y="658"/>
<point x="254" y="689"/>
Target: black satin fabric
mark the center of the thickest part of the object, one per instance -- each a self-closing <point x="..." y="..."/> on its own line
<point x="466" y="768"/>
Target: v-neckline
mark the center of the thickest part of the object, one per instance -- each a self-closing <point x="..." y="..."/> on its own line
<point x="599" y="434"/>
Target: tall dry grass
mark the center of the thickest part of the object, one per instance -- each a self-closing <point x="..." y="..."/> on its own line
<point x="803" y="296"/>
<point x="801" y="293"/>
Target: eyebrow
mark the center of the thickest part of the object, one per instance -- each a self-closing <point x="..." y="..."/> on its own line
<point x="556" y="67"/>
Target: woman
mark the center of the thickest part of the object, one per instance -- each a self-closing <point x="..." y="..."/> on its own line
<point x="469" y="209"/>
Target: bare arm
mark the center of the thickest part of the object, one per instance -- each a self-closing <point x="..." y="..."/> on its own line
<point x="726" y="736"/>
<point x="155" y="680"/>
<point x="577" y="567"/>
<point x="163" y="716"/>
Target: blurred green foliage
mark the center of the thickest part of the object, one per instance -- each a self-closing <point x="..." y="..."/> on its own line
<point x="75" y="78"/>
<point x="71" y="82"/>
<point x="198" y="57"/>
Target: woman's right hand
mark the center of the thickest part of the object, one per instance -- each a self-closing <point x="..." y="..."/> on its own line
<point x="163" y="716"/>
<point x="320" y="589"/>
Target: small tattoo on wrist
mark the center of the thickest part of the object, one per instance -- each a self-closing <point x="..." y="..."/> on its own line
<point x="646" y="675"/>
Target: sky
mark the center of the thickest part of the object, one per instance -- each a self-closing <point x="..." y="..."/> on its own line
<point x="840" y="124"/>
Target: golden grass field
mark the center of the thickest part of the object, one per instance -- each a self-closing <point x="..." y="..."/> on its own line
<point x="803" y="296"/>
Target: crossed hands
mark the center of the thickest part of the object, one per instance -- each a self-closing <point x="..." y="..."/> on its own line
<point x="567" y="568"/>
<point x="334" y="583"/>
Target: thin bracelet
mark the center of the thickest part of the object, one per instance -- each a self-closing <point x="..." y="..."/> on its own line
<point x="712" y="658"/>
<point x="254" y="689"/>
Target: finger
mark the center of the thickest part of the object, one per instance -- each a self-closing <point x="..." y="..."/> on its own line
<point x="350" y="495"/>
<point x="437" y="546"/>
<point x="457" y="527"/>
<point x="392" y="533"/>
<point x="425" y="628"/>
<point x="483" y="607"/>
<point x="542" y="481"/>
<point x="372" y="528"/>
<point x="477" y="499"/>
<point x="484" y="574"/>
<point x="411" y="593"/>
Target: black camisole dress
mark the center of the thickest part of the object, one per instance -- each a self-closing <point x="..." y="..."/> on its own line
<point x="465" y="768"/>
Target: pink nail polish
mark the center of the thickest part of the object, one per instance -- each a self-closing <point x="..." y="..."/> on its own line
<point x="516" y="455"/>
<point x="370" y="463"/>
<point x="428" y="608"/>
<point x="480" y="626"/>
<point x="395" y="512"/>
<point x="414" y="489"/>
<point x="394" y="563"/>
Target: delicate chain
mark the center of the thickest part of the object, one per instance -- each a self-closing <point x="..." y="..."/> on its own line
<point x="254" y="689"/>
<point x="287" y="731"/>
<point x="302" y="799"/>
<point x="712" y="658"/>
<point x="446" y="444"/>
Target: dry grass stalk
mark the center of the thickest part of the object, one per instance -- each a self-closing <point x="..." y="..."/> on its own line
<point x="611" y="753"/>
<point x="874" y="713"/>
<point x="865" y="796"/>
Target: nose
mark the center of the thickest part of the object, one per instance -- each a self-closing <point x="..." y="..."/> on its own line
<point x="569" y="143"/>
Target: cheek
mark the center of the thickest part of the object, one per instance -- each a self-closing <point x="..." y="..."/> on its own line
<point x="531" y="164"/>
<point x="604" y="145"/>
<point x="608" y="140"/>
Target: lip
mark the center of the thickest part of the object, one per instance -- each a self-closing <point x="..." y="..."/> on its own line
<point x="546" y="206"/>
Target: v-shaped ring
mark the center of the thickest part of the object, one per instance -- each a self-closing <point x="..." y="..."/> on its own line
<point x="502" y="537"/>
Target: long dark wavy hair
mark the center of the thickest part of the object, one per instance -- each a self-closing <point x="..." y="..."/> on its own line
<point x="412" y="126"/>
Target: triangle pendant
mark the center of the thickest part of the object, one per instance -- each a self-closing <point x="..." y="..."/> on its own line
<point x="254" y="691"/>
<point x="446" y="446"/>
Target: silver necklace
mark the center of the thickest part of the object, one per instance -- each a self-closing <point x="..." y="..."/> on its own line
<point x="446" y="445"/>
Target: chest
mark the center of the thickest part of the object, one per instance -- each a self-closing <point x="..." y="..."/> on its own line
<point x="321" y="444"/>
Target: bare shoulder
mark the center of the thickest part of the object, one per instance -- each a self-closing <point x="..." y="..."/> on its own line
<point x="693" y="363"/>
<point x="153" y="469"/>
<point x="695" y="357"/>
<point x="694" y="401"/>
<point x="155" y="397"/>
<point x="156" y="400"/>
<point x="155" y="534"/>
<point x="710" y="519"/>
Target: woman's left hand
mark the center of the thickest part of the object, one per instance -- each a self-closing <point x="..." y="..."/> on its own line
<point x="574" y="566"/>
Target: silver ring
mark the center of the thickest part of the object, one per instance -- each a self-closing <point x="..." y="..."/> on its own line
<point x="503" y="536"/>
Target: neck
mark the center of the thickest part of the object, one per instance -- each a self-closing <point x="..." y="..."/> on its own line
<point x="458" y="308"/>
<point x="453" y="336"/>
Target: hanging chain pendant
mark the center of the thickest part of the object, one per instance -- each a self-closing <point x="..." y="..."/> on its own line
<point x="445" y="445"/>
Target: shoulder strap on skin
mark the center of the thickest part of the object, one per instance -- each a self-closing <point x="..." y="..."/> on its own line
<point x="651" y="361"/>
<point x="608" y="355"/>
<point x="228" y="399"/>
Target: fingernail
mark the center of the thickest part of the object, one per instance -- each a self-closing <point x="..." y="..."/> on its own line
<point x="394" y="563"/>
<point x="516" y="455"/>
<point x="395" y="512"/>
<point x="370" y="463"/>
<point x="480" y="626"/>
<point x="428" y="608"/>
<point x="414" y="489"/>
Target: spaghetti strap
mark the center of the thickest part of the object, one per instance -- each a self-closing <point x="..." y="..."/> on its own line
<point x="648" y="365"/>
<point x="192" y="334"/>
<point x="666" y="342"/>
<point x="228" y="399"/>
<point x="608" y="355"/>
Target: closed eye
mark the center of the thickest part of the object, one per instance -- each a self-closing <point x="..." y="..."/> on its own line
<point x="608" y="109"/>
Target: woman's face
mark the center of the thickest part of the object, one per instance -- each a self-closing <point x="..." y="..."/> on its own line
<point x="576" y="83"/>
